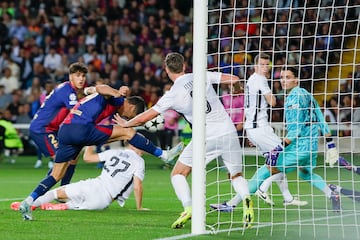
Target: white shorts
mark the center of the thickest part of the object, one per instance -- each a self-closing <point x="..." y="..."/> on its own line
<point x="87" y="195"/>
<point x="264" y="138"/>
<point x="227" y="147"/>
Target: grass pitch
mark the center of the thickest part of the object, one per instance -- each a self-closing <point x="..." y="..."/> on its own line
<point x="314" y="221"/>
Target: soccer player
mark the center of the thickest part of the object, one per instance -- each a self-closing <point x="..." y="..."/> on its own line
<point x="258" y="97"/>
<point x="44" y="126"/>
<point x="221" y="134"/>
<point x="303" y="118"/>
<point x="80" y="128"/>
<point x="123" y="172"/>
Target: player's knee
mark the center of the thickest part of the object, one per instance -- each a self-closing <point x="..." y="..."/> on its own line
<point x="304" y="174"/>
<point x="239" y="174"/>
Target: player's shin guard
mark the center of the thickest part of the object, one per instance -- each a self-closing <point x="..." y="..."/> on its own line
<point x="145" y="144"/>
<point x="43" y="187"/>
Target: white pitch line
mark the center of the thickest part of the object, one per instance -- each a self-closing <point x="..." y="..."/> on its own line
<point x="184" y="236"/>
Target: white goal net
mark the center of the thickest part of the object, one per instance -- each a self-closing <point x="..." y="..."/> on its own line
<point x="320" y="38"/>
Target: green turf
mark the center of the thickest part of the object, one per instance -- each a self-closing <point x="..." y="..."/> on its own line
<point x="314" y="221"/>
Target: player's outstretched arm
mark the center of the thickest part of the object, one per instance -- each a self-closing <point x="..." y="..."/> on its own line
<point x="139" y="120"/>
<point x="106" y="90"/>
<point x="138" y="192"/>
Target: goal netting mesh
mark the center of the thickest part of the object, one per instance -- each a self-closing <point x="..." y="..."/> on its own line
<point x="321" y="38"/>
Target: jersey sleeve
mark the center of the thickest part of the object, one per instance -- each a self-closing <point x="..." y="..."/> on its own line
<point x="140" y="169"/>
<point x="213" y="77"/>
<point x="165" y="102"/>
<point x="263" y="85"/>
<point x="324" y="127"/>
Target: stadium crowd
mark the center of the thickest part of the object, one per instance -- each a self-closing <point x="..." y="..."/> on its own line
<point x="124" y="43"/>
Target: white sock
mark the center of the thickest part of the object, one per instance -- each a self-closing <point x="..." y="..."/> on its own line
<point x="182" y="189"/>
<point x="46" y="198"/>
<point x="327" y="191"/>
<point x="29" y="200"/>
<point x="284" y="188"/>
<point x="264" y="187"/>
<point x="241" y="187"/>
<point x="235" y="200"/>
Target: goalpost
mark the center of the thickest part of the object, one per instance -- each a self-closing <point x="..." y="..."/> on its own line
<point x="321" y="38"/>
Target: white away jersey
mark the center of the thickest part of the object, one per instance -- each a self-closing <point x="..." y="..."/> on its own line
<point x="179" y="98"/>
<point x="256" y="105"/>
<point x="119" y="169"/>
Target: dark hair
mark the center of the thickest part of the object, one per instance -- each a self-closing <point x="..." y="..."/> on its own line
<point x="138" y="102"/>
<point x="262" y="56"/>
<point x="78" y="67"/>
<point x="174" y="62"/>
<point x="294" y="70"/>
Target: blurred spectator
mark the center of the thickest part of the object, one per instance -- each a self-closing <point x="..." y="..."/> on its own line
<point x="233" y="101"/>
<point x="171" y="117"/>
<point x="10" y="82"/>
<point x="49" y="86"/>
<point x="5" y="98"/>
<point x="13" y="107"/>
<point x="52" y="62"/>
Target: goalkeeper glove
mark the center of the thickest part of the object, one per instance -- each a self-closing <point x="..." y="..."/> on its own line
<point x="272" y="156"/>
<point x="332" y="154"/>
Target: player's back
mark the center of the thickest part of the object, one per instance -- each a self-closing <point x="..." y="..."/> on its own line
<point x="180" y="99"/>
<point x="92" y="109"/>
<point x="119" y="169"/>
<point x="54" y="109"/>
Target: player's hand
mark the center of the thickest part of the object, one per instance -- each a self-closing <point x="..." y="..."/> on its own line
<point x="89" y="90"/>
<point x="332" y="154"/>
<point x="143" y="209"/>
<point x="119" y="120"/>
<point x="124" y="90"/>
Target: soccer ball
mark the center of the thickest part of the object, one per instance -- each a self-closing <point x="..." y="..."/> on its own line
<point x="155" y="124"/>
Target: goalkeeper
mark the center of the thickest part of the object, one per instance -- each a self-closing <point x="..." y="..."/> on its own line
<point x="303" y="118"/>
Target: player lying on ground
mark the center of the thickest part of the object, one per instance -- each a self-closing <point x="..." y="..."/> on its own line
<point x="304" y="119"/>
<point x="123" y="172"/>
<point x="80" y="128"/>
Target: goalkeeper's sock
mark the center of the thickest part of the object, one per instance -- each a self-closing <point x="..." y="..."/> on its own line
<point x="355" y="195"/>
<point x="145" y="144"/>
